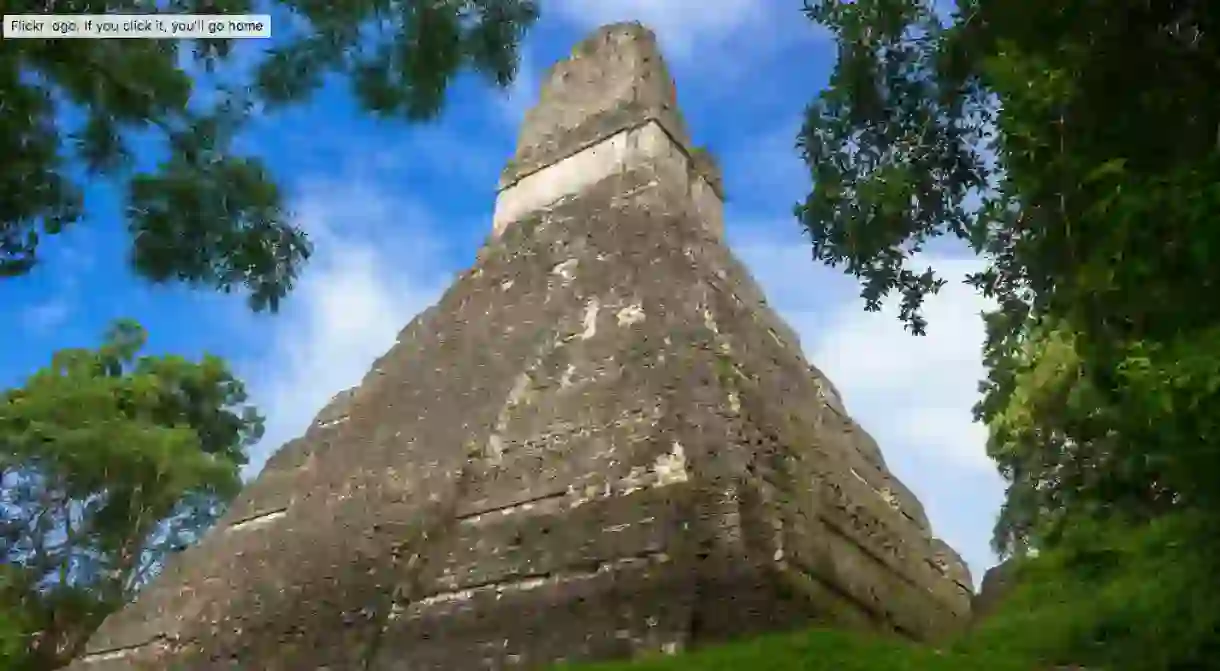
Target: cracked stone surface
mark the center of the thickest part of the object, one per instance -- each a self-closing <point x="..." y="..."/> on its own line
<point x="601" y="442"/>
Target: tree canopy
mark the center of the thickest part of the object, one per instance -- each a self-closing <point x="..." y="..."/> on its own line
<point x="207" y="215"/>
<point x="1075" y="146"/>
<point x="108" y="460"/>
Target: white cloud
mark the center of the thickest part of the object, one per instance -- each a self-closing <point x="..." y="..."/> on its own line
<point x="681" y="25"/>
<point x="370" y="276"/>
<point x="47" y="315"/>
<point x="913" y="394"/>
<point x="716" y="43"/>
<point x="70" y="251"/>
<point x="932" y="378"/>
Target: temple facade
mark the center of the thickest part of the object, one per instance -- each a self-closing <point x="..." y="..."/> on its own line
<point x="601" y="442"/>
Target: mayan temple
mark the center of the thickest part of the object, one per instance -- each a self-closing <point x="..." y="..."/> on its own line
<point x="601" y="442"/>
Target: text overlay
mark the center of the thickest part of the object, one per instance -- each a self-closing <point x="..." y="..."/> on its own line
<point x="137" y="26"/>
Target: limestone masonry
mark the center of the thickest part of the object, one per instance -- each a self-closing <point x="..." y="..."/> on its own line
<point x="601" y="442"/>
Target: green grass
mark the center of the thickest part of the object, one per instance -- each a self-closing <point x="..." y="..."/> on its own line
<point x="814" y="649"/>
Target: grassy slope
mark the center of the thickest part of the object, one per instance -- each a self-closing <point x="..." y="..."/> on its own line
<point x="815" y="649"/>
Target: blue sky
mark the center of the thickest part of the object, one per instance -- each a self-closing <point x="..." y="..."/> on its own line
<point x="396" y="211"/>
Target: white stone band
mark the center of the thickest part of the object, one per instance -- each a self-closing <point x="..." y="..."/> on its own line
<point x="621" y="152"/>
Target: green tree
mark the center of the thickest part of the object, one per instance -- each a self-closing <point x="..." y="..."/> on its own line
<point x="1074" y="145"/>
<point x="108" y="460"/>
<point x="207" y="215"/>
<point x="1112" y="596"/>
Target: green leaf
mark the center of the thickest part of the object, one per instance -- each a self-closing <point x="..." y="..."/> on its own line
<point x="1112" y="168"/>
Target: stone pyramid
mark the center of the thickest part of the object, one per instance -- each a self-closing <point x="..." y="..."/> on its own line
<point x="601" y="442"/>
